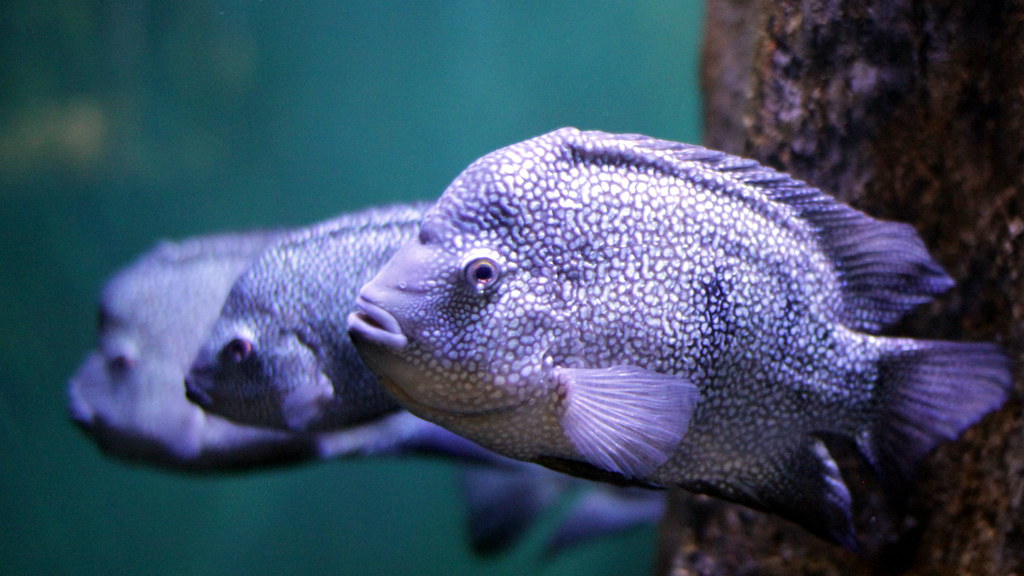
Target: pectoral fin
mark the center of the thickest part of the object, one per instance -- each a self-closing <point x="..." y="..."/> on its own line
<point x="304" y="404"/>
<point x="625" y="419"/>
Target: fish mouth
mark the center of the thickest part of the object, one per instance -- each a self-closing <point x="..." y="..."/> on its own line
<point x="196" y="394"/>
<point x="79" y="411"/>
<point x="375" y="325"/>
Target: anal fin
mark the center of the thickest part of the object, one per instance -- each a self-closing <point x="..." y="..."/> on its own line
<point x="803" y="485"/>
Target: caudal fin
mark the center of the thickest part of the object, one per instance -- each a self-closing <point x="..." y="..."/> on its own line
<point x="930" y="392"/>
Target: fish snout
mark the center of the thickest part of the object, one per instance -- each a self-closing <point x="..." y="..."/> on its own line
<point x="196" y="393"/>
<point x="79" y="410"/>
<point x="373" y="324"/>
<point x="87" y="387"/>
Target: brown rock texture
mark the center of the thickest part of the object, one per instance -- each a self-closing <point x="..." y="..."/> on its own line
<point x="910" y="110"/>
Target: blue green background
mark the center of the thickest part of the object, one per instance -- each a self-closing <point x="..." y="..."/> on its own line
<point x="126" y="121"/>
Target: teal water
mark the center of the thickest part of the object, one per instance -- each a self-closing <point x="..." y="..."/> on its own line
<point x="126" y="121"/>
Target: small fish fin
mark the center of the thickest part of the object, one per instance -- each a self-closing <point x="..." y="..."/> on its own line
<point x="625" y="419"/>
<point x="930" y="393"/>
<point x="504" y="501"/>
<point x="302" y="405"/>
<point x="604" y="510"/>
<point x="587" y="471"/>
<point x="428" y="439"/>
<point x="884" y="267"/>
<point x="371" y="439"/>
<point x="803" y="486"/>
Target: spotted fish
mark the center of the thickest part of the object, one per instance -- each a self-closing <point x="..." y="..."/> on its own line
<point x="279" y="355"/>
<point x="646" y="311"/>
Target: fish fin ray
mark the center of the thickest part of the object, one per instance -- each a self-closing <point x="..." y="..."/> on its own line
<point x="930" y="392"/>
<point x="884" y="267"/>
<point x="626" y="419"/>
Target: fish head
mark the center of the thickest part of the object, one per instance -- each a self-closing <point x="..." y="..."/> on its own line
<point x="464" y="319"/>
<point x="126" y="395"/>
<point x="259" y="368"/>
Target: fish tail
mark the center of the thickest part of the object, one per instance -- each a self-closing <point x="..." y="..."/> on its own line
<point x="929" y="392"/>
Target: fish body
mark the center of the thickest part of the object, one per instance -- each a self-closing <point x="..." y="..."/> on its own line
<point x="279" y="355"/>
<point x="633" y="309"/>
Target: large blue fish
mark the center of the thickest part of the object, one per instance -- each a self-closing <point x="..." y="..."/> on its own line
<point x="636" y="309"/>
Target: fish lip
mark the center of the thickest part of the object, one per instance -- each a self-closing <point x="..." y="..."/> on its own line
<point x="79" y="411"/>
<point x="196" y="394"/>
<point x="373" y="324"/>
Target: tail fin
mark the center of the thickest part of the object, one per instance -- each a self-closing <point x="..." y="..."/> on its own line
<point x="930" y="392"/>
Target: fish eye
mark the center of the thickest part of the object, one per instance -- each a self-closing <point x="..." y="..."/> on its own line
<point x="481" y="271"/>
<point x="238" y="350"/>
<point x="120" y="363"/>
<point x="119" y="353"/>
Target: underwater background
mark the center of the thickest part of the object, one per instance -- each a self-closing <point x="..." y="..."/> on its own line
<point x="126" y="121"/>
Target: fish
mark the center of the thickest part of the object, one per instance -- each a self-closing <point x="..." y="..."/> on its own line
<point x="128" y="397"/>
<point x="649" y="312"/>
<point x="279" y="355"/>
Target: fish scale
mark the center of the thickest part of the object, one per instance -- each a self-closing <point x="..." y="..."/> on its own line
<point x="721" y="373"/>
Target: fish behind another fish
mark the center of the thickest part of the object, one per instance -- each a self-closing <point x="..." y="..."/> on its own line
<point x="645" y="311"/>
<point x="279" y="355"/>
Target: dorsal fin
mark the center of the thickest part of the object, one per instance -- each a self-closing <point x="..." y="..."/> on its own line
<point x="883" y="267"/>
